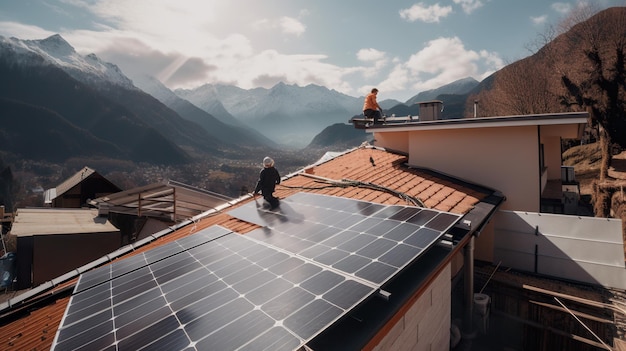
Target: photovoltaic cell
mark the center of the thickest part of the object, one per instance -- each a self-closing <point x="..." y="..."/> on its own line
<point x="361" y="239"/>
<point x="213" y="290"/>
<point x="314" y="259"/>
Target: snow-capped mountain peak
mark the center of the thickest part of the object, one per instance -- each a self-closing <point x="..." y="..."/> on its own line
<point x="56" y="51"/>
<point x="54" y="45"/>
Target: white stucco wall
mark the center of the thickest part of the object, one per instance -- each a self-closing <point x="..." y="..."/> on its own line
<point x="396" y="141"/>
<point x="552" y="156"/>
<point x="503" y="158"/>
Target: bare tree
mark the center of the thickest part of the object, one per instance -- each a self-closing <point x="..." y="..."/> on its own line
<point x="599" y="86"/>
<point x="526" y="86"/>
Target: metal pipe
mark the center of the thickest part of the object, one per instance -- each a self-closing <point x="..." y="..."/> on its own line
<point x="468" y="265"/>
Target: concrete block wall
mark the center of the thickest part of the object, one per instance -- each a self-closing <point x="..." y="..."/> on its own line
<point x="426" y="324"/>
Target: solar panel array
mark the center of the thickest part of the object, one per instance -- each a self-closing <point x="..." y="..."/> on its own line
<point x="315" y="259"/>
<point x="362" y="239"/>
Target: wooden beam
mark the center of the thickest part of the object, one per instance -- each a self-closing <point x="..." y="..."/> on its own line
<point x="579" y="314"/>
<point x="550" y="329"/>
<point x="577" y="299"/>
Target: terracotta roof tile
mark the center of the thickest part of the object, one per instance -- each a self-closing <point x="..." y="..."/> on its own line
<point x="388" y="174"/>
<point x="452" y="201"/>
<point x="460" y="208"/>
<point x="442" y="194"/>
<point x="36" y="330"/>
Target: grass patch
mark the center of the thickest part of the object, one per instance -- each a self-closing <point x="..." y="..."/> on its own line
<point x="584" y="158"/>
<point x="586" y="162"/>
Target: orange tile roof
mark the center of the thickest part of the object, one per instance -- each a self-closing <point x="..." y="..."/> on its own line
<point x="365" y="173"/>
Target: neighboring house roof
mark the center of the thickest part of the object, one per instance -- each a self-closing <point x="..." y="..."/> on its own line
<point x="42" y="221"/>
<point x="368" y="174"/>
<point x="169" y="200"/>
<point x="74" y="180"/>
<point x="69" y="183"/>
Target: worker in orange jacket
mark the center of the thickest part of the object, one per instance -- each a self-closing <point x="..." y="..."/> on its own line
<point x="371" y="108"/>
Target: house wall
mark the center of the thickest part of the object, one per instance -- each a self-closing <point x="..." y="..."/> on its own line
<point x="96" y="186"/>
<point x="456" y="263"/>
<point x="397" y="141"/>
<point x="551" y="136"/>
<point x="426" y="324"/>
<point x="24" y="269"/>
<point x="70" y="199"/>
<point x="484" y="244"/>
<point x="503" y="158"/>
<point x="552" y="156"/>
<point x="565" y="131"/>
<point x="55" y="255"/>
<point x="90" y="188"/>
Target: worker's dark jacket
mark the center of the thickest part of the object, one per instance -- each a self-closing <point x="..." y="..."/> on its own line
<point x="268" y="179"/>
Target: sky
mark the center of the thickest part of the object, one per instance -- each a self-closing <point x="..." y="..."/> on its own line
<point x="400" y="47"/>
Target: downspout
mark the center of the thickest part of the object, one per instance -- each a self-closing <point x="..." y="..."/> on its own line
<point x="468" y="271"/>
<point x="469" y="332"/>
<point x="539" y="158"/>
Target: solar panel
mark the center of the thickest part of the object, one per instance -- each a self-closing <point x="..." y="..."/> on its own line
<point x="361" y="239"/>
<point x="212" y="290"/>
<point x="275" y="288"/>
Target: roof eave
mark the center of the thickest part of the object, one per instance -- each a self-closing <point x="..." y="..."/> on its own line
<point x="579" y="118"/>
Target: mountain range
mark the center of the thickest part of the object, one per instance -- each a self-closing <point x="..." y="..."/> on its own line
<point x="288" y="114"/>
<point x="73" y="105"/>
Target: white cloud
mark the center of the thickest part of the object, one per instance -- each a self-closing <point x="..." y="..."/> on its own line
<point x="493" y="62"/>
<point x="268" y="67"/>
<point x="444" y="55"/>
<point x="398" y="80"/>
<point x="191" y="36"/>
<point x="370" y="55"/>
<point x="21" y="31"/>
<point x="428" y="14"/>
<point x="469" y="5"/>
<point x="539" y="19"/>
<point x="262" y="24"/>
<point x="440" y="62"/>
<point x="291" y="25"/>
<point x="165" y="24"/>
<point x="561" y="7"/>
<point x="492" y="59"/>
<point x="378" y="60"/>
<point x="287" y="25"/>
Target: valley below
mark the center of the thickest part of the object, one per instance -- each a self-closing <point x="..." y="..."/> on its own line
<point x="232" y="176"/>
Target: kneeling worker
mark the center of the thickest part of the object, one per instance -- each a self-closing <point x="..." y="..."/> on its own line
<point x="268" y="178"/>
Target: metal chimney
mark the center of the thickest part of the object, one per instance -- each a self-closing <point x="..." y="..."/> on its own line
<point x="430" y="110"/>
